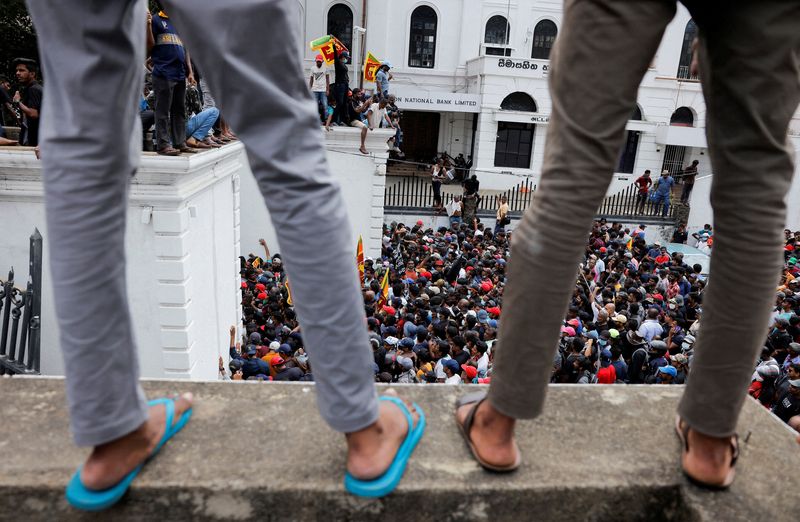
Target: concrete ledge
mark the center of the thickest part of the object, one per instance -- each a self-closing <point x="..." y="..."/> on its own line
<point x="256" y="451"/>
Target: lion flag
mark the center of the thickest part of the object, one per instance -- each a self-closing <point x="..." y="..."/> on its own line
<point x="360" y="260"/>
<point x="371" y="65"/>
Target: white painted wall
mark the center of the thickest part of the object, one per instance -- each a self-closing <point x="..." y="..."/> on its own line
<point x="362" y="179"/>
<point x="181" y="248"/>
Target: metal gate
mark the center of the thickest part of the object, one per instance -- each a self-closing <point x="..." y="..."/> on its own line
<point x="673" y="159"/>
<point x="20" y="313"/>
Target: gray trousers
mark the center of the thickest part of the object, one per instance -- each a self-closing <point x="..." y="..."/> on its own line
<point x="94" y="80"/>
<point x="749" y="69"/>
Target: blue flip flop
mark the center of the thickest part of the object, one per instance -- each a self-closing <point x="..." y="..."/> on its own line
<point x="92" y="500"/>
<point x="385" y="484"/>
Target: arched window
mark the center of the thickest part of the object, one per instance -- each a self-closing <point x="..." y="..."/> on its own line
<point x="544" y="34"/>
<point x="497" y="31"/>
<point x="340" y="24"/>
<point x="518" y="101"/>
<point x="682" y="117"/>
<point x="686" y="51"/>
<point x="422" y="38"/>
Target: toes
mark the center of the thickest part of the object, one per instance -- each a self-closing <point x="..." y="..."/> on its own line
<point x="183" y="403"/>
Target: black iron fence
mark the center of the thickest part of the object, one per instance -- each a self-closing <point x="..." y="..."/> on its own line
<point x="20" y="313"/>
<point x="416" y="192"/>
<point x="627" y="204"/>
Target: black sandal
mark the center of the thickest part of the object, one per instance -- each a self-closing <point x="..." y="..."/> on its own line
<point x="477" y="398"/>
<point x="682" y="429"/>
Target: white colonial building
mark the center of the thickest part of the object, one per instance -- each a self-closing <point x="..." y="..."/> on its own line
<point x="471" y="78"/>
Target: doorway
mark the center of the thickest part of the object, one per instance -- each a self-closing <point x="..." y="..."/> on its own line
<point x="420" y="135"/>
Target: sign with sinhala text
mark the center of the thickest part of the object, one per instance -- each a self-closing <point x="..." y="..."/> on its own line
<point x="517" y="67"/>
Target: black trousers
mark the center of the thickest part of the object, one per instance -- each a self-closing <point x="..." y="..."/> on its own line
<point x="170" y="112"/>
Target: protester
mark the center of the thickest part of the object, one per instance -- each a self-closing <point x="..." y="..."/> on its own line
<point x="382" y="78"/>
<point x="92" y="61"/>
<point x="172" y="69"/>
<point x="320" y="84"/>
<point x="688" y="176"/>
<point x="643" y="184"/>
<point x="662" y="193"/>
<point x="584" y="136"/>
<point x="29" y="101"/>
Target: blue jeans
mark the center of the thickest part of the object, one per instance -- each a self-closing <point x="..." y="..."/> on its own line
<point x="322" y="103"/>
<point x="198" y="125"/>
<point x="661" y="199"/>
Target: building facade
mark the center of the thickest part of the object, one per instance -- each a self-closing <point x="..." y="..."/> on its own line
<point x="471" y="78"/>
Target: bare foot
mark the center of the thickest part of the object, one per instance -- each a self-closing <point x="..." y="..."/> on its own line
<point x="708" y="459"/>
<point x="371" y="451"/>
<point x="111" y="462"/>
<point x="492" y="434"/>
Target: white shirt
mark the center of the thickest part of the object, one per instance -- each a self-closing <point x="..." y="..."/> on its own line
<point x="439" y="368"/>
<point x="453" y="207"/>
<point x="318" y="74"/>
<point x="483" y="365"/>
<point x="376" y="115"/>
<point x="455" y="379"/>
<point x="649" y="329"/>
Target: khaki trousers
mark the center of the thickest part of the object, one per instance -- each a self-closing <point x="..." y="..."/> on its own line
<point x="749" y="69"/>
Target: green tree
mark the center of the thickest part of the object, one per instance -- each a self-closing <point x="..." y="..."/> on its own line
<point x="17" y="36"/>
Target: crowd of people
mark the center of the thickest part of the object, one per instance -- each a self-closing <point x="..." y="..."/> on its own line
<point x="634" y="317"/>
<point x="341" y="106"/>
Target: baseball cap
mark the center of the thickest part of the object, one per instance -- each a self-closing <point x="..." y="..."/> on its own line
<point x="406" y="343"/>
<point x="658" y="345"/>
<point x="391" y="340"/>
<point x="619" y="318"/>
<point x="614" y="333"/>
<point x="255" y="338"/>
<point x="251" y="349"/>
<point x="405" y="362"/>
<point x="570" y="331"/>
<point x="483" y="316"/>
<point x="319" y="58"/>
<point x="277" y="361"/>
<point x="795" y="347"/>
<point x="274" y="346"/>
<point x="452" y="364"/>
<point x="471" y="371"/>
<point x="284" y="348"/>
<point x="668" y="370"/>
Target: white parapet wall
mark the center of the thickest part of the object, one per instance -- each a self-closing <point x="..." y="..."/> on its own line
<point x="182" y="244"/>
<point x="186" y="219"/>
<point x="362" y="178"/>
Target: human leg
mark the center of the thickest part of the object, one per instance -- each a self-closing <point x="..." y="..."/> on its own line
<point x="163" y="95"/>
<point x="611" y="42"/>
<point x="751" y="90"/>
<point x="86" y="173"/>
<point x="177" y="115"/>
<point x="198" y="126"/>
<point x="287" y="157"/>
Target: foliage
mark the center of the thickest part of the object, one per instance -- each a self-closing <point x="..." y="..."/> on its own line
<point x="17" y="36"/>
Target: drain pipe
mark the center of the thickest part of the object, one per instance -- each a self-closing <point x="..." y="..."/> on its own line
<point x="362" y="42"/>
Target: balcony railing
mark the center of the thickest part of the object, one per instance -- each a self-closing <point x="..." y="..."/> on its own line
<point x="416" y="193"/>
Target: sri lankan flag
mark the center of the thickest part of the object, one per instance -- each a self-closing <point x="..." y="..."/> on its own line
<point x="288" y="293"/>
<point x="327" y="46"/>
<point x="360" y="260"/>
<point x="371" y="65"/>
<point x="384" y="298"/>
